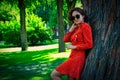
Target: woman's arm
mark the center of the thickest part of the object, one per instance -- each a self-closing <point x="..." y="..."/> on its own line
<point x="67" y="37"/>
<point x="87" y="37"/>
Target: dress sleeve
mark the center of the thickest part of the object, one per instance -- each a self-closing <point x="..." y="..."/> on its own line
<point x="67" y="37"/>
<point x="87" y="37"/>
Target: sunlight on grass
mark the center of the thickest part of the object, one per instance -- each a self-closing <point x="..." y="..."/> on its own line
<point x="39" y="57"/>
<point x="32" y="65"/>
<point x="36" y="78"/>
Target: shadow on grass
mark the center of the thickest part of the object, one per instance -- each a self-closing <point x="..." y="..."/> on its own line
<point x="34" y="65"/>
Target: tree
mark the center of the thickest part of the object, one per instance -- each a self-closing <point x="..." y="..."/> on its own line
<point x="103" y="62"/>
<point x="21" y="4"/>
<point x="60" y="25"/>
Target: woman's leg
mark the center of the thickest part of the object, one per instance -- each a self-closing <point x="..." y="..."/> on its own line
<point x="55" y="75"/>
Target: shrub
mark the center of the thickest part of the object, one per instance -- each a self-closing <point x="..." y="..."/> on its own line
<point x="10" y="32"/>
<point x="37" y="30"/>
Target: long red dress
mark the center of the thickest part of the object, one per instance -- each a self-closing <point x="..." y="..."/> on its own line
<point x="81" y="37"/>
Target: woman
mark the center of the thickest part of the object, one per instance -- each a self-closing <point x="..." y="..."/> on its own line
<point x="80" y="36"/>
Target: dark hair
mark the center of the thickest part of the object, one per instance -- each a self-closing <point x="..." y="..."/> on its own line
<point x="81" y="11"/>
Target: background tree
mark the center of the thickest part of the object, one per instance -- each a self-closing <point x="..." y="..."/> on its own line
<point x="103" y="62"/>
<point x="44" y="9"/>
<point x="60" y="25"/>
<point x="47" y="10"/>
<point x="21" y="4"/>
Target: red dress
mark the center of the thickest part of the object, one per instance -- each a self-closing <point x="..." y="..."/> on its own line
<point x="81" y="37"/>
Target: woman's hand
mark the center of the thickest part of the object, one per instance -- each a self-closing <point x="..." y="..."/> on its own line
<point x="72" y="27"/>
<point x="70" y="46"/>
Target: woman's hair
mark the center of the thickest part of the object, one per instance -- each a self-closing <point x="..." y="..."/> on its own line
<point x="81" y="11"/>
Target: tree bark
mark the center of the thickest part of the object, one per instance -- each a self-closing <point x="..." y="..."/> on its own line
<point x="21" y="4"/>
<point x="103" y="62"/>
<point x="60" y="25"/>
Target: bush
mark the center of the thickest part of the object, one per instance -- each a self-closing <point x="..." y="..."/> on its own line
<point x="37" y="30"/>
<point x="10" y="32"/>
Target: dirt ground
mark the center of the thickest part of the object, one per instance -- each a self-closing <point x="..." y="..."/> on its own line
<point x="31" y="48"/>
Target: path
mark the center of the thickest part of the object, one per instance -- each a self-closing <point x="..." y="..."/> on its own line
<point x="31" y="48"/>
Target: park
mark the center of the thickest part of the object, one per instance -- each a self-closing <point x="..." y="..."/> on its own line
<point x="32" y="32"/>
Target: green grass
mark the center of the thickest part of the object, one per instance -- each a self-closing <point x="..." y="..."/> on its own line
<point x="30" y="65"/>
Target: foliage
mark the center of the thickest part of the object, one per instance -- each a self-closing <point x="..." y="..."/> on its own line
<point x="10" y="32"/>
<point x="7" y="11"/>
<point x="38" y="27"/>
<point x="47" y="10"/>
<point x="37" y="30"/>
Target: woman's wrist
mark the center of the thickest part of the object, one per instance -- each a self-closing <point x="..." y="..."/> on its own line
<point x="72" y="28"/>
<point x="71" y="46"/>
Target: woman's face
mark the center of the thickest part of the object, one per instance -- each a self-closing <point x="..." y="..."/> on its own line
<point x="77" y="17"/>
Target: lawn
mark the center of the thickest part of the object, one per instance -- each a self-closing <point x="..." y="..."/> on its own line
<point x="30" y="65"/>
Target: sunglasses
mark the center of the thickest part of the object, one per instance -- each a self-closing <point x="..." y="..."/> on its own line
<point x="77" y="16"/>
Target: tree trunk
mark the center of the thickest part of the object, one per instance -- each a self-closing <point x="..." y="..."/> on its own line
<point x="103" y="62"/>
<point x="60" y="25"/>
<point x="21" y="4"/>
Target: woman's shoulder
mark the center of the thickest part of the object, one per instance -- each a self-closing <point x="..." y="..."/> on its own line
<point x="86" y="26"/>
<point x="83" y="26"/>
